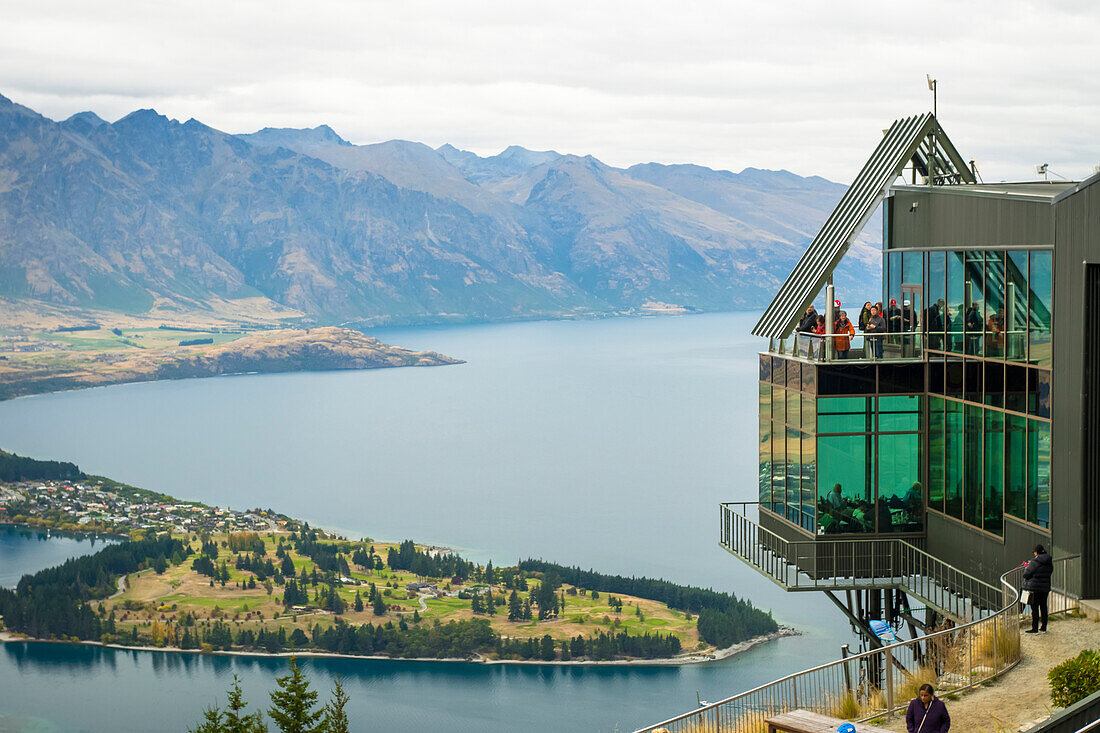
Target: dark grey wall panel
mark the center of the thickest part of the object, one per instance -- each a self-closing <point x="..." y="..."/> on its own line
<point x="1075" y="505"/>
<point x="944" y="219"/>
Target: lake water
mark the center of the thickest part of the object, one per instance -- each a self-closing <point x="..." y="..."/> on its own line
<point x="25" y="551"/>
<point x="606" y="444"/>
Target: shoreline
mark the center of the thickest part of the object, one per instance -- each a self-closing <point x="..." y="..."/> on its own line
<point x="7" y="637"/>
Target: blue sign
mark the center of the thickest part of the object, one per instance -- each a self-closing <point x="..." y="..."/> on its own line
<point x="883" y="631"/>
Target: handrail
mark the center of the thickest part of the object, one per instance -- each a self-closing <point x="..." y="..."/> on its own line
<point x="853" y="562"/>
<point x="894" y="346"/>
<point x="881" y="681"/>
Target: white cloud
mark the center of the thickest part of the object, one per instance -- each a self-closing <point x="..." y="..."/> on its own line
<point x="803" y="86"/>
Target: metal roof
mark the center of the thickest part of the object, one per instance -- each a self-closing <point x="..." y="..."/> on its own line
<point x="918" y="140"/>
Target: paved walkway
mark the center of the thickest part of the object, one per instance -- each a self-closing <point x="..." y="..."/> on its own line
<point x="1021" y="698"/>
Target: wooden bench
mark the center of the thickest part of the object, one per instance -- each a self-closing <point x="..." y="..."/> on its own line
<point x="803" y="721"/>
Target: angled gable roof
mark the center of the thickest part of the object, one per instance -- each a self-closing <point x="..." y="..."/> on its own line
<point x="918" y="140"/>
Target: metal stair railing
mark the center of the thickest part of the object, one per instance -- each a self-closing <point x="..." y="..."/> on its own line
<point x="865" y="686"/>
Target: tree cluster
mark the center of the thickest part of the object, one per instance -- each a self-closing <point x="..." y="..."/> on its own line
<point x="407" y="557"/>
<point x="19" y="468"/>
<point x="53" y="602"/>
<point x="724" y="619"/>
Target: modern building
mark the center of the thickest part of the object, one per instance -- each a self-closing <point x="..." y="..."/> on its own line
<point x="972" y="429"/>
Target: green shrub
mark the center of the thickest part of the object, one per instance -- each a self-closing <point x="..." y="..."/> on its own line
<point x="1075" y="679"/>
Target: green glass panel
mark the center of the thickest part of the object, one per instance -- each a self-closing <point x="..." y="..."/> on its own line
<point x="1038" y="485"/>
<point x="809" y="413"/>
<point x="779" y="467"/>
<point x="893" y="294"/>
<point x="994" y="304"/>
<point x="899" y="413"/>
<point x="1039" y="308"/>
<point x="779" y="404"/>
<point x="900" y="498"/>
<point x="973" y="322"/>
<point x="844" y="480"/>
<point x="936" y="445"/>
<point x="844" y="415"/>
<point x="953" y="458"/>
<point x="794" y="409"/>
<point x="972" y="466"/>
<point x="955" y="316"/>
<point x="993" y="493"/>
<point x="1016" y="306"/>
<point x="809" y="481"/>
<point x="936" y="290"/>
<point x="794" y="472"/>
<point x="1016" y="466"/>
<point x="765" y="415"/>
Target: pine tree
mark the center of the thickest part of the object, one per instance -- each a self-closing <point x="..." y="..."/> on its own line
<point x="336" y="719"/>
<point x="515" y="607"/>
<point x="490" y="602"/>
<point x="236" y="721"/>
<point x="358" y="602"/>
<point x="292" y="703"/>
<point x="212" y="722"/>
<point x="475" y="602"/>
<point x="527" y="608"/>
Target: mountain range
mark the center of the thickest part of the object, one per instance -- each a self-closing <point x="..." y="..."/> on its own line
<point x="150" y="213"/>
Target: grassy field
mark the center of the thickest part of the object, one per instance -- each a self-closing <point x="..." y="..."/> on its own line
<point x="181" y="590"/>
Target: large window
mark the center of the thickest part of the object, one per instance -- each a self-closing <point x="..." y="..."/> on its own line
<point x="900" y="499"/>
<point x="869" y="476"/>
<point x="845" y="484"/>
<point x="1040" y="308"/>
<point x="992" y="498"/>
<point x="994" y="304"/>
<point x="974" y="286"/>
<point x="956" y="301"/>
<point x="936" y="322"/>
<point x="936" y="446"/>
<point x="765" y="414"/>
<point x="1016" y="306"/>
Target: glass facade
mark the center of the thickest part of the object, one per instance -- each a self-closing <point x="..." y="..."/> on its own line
<point x="788" y="450"/>
<point x="862" y="449"/>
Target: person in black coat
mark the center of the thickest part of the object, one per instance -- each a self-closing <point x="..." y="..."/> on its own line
<point x="927" y="713"/>
<point x="1037" y="584"/>
<point x="809" y="321"/>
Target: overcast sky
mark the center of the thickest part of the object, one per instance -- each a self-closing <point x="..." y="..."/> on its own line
<point x="802" y="86"/>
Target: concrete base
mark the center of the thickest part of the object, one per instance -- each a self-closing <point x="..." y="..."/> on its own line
<point x="1090" y="608"/>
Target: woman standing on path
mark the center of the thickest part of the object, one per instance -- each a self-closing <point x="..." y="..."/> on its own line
<point x="927" y="713"/>
<point x="1037" y="584"/>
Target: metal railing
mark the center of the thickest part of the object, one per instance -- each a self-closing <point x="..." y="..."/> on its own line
<point x="907" y="346"/>
<point x="865" y="686"/>
<point x="852" y="564"/>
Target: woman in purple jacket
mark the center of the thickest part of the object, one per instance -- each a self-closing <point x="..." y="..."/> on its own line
<point x="927" y="713"/>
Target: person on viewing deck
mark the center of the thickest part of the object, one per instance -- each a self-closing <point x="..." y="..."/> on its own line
<point x="927" y="713"/>
<point x="819" y="327"/>
<point x="864" y="315"/>
<point x="844" y="328"/>
<point x="876" y="326"/>
<point x="809" y="321"/>
<point x="836" y="500"/>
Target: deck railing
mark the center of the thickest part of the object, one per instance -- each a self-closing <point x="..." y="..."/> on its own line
<point x="907" y="346"/>
<point x="854" y="563"/>
<point x="871" y="684"/>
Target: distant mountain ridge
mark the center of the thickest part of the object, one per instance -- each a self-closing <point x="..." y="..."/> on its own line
<point x="148" y="211"/>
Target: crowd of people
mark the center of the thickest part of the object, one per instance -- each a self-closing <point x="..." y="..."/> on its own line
<point x="874" y="322"/>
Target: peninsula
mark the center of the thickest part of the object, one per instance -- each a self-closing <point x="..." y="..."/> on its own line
<point x="193" y="577"/>
<point x="96" y="355"/>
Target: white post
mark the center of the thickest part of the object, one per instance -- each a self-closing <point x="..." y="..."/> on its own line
<point x="829" y="300"/>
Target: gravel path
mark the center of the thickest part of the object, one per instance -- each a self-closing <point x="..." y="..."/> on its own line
<point x="1021" y="697"/>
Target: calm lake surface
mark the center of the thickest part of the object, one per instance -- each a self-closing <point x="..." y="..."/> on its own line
<point x="606" y="444"/>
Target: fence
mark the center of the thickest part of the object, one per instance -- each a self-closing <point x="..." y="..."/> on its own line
<point x="871" y="684"/>
<point x="850" y="564"/>
<point x="908" y="345"/>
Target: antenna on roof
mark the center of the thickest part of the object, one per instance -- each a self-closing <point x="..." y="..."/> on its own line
<point x="932" y="88"/>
